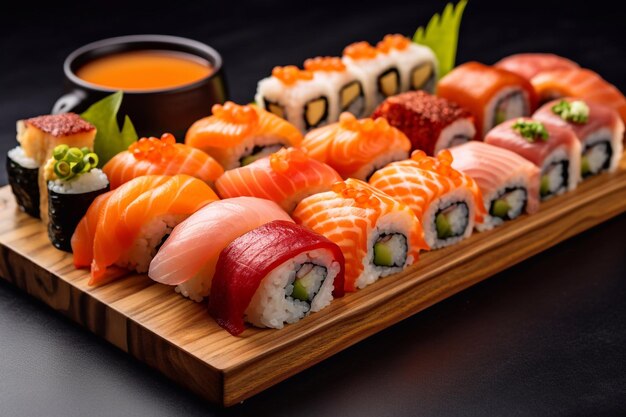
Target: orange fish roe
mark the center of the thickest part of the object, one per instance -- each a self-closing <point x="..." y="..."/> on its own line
<point x="235" y="113"/>
<point x="324" y="63"/>
<point x="360" y="50"/>
<point x="367" y="127"/>
<point x="154" y="149"/>
<point x="390" y="42"/>
<point x="363" y="197"/>
<point x="288" y="158"/>
<point x="291" y="74"/>
<point x="442" y="164"/>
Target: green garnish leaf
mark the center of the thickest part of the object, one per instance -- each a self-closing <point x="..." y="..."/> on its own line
<point x="531" y="130"/>
<point x="110" y="140"/>
<point x="442" y="35"/>
<point x="577" y="111"/>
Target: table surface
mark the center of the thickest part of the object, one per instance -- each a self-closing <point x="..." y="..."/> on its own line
<point x="546" y="337"/>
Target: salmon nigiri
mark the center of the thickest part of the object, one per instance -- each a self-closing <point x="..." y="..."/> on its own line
<point x="579" y="83"/>
<point x="528" y="65"/>
<point x="357" y="148"/>
<point x="188" y="257"/>
<point x="285" y="177"/>
<point x="238" y="135"/>
<point x="151" y="156"/>
<point x="125" y="227"/>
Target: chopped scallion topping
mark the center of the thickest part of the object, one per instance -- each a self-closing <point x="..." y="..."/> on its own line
<point x="576" y="111"/>
<point x="531" y="130"/>
<point x="70" y="162"/>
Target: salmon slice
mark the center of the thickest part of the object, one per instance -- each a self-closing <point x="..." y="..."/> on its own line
<point x="528" y="65"/>
<point x="82" y="239"/>
<point x="285" y="177"/>
<point x="356" y="148"/>
<point x="349" y="215"/>
<point x="579" y="83"/>
<point x="151" y="156"/>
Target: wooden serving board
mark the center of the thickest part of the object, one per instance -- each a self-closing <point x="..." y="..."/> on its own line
<point x="178" y="337"/>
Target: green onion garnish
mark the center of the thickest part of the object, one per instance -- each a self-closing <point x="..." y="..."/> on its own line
<point x="531" y="130"/>
<point x="59" y="152"/>
<point x="74" y="155"/>
<point x="70" y="162"/>
<point x="576" y="111"/>
<point x="85" y="150"/>
<point x="77" y="167"/>
<point x="91" y="159"/>
<point x="63" y="170"/>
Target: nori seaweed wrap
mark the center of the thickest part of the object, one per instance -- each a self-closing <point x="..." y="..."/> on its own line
<point x="23" y="178"/>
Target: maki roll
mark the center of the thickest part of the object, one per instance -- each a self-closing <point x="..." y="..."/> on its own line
<point x="509" y="183"/>
<point x="346" y="89"/>
<point x="238" y="135"/>
<point x="73" y="182"/>
<point x="492" y="95"/>
<point x="275" y="274"/>
<point x="377" y="71"/>
<point x="447" y="202"/>
<point x="357" y="148"/>
<point x="295" y="95"/>
<point x="124" y="228"/>
<point x="598" y="128"/>
<point x="23" y="173"/>
<point x="378" y="235"/>
<point x="554" y="149"/>
<point x="153" y="156"/>
<point x="528" y="65"/>
<point x="431" y="123"/>
<point x="285" y="177"/>
<point x="189" y="256"/>
<point x="417" y="64"/>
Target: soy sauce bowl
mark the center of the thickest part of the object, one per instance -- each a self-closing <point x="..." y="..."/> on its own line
<point x="152" y="111"/>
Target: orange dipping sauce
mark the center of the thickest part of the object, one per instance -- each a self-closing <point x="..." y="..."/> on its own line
<point x="145" y="70"/>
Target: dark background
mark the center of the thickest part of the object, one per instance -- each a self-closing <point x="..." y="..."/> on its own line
<point x="546" y="337"/>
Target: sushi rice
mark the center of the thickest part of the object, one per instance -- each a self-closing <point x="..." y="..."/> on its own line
<point x="514" y="193"/>
<point x="18" y="156"/>
<point x="84" y="183"/>
<point x="460" y="209"/>
<point x="508" y="103"/>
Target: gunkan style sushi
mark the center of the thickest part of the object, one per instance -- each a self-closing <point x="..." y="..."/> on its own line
<point x="345" y="89"/>
<point x="447" y="202"/>
<point x="598" y="128"/>
<point x="378" y="235"/>
<point x="509" y="183"/>
<point x="238" y="135"/>
<point x="357" y="148"/>
<point x="124" y="228"/>
<point x="528" y="65"/>
<point x="285" y="177"/>
<point x="73" y="182"/>
<point x="554" y="149"/>
<point x="492" y="95"/>
<point x="416" y="64"/>
<point x="431" y="123"/>
<point x="153" y="156"/>
<point x="23" y="175"/>
<point x="296" y="96"/>
<point x="188" y="257"/>
<point x="275" y="274"/>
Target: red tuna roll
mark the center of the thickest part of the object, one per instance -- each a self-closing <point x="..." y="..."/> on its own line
<point x="528" y="65"/>
<point x="275" y="274"/>
<point x="431" y="123"/>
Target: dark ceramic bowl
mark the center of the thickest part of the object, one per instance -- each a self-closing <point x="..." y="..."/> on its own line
<point x="155" y="111"/>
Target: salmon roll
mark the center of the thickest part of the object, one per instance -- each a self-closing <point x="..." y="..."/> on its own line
<point x="153" y="156"/>
<point x="357" y="148"/>
<point x="579" y="83"/>
<point x="554" y="149"/>
<point x="528" y="65"/>
<point x="509" y="183"/>
<point x="378" y="235"/>
<point x="346" y="90"/>
<point x="238" y="135"/>
<point x="431" y="123"/>
<point x="447" y="202"/>
<point x="285" y="177"/>
<point x="416" y="64"/>
<point x="275" y="274"/>
<point x="124" y="228"/>
<point x="296" y="96"/>
<point x="492" y="95"/>
<point x="598" y="128"/>
<point x="377" y="71"/>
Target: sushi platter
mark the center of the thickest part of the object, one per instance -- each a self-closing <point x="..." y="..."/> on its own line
<point x="352" y="194"/>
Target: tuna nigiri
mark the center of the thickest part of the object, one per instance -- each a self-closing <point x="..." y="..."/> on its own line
<point x="126" y="226"/>
<point x="238" y="135"/>
<point x="188" y="257"/>
<point x="528" y="65"/>
<point x="151" y="156"/>
<point x="285" y="177"/>
<point x="356" y="148"/>
<point x="378" y="235"/>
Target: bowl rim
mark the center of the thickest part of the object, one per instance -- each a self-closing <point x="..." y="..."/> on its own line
<point x="201" y="49"/>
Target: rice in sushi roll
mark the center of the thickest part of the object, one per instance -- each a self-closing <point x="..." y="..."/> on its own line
<point x="23" y="173"/>
<point x="378" y="235"/>
<point x="275" y="274"/>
